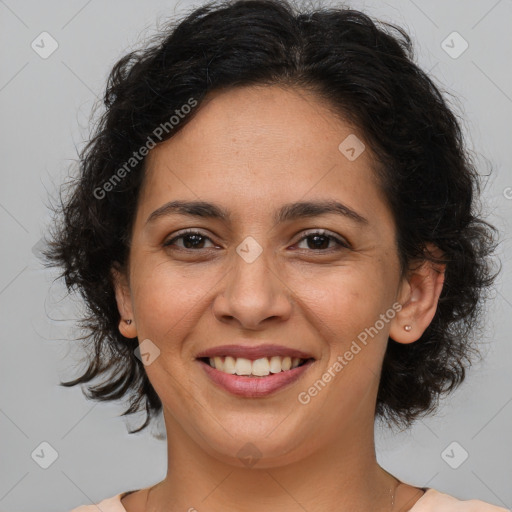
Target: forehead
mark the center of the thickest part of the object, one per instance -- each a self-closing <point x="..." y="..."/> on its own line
<point x="243" y="121"/>
<point x="257" y="144"/>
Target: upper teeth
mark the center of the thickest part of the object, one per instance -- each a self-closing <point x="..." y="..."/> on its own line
<point x="259" y="367"/>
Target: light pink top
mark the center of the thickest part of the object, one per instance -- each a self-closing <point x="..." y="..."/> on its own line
<point x="431" y="501"/>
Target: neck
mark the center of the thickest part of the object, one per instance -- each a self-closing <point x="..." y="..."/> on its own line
<point x="341" y="475"/>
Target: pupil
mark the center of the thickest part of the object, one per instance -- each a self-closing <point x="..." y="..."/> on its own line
<point x="188" y="237"/>
<point x="316" y="237"/>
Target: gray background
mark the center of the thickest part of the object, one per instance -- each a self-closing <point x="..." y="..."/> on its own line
<point x="45" y="113"/>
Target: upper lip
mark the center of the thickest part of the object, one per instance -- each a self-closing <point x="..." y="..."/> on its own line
<point x="253" y="352"/>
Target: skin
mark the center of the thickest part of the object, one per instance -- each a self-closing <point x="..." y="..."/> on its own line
<point x="251" y="150"/>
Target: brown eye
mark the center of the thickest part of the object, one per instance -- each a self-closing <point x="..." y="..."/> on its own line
<point x="191" y="240"/>
<point x="319" y="241"/>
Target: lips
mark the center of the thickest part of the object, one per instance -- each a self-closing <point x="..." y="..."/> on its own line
<point x="267" y="380"/>
<point x="253" y="352"/>
<point x="254" y="387"/>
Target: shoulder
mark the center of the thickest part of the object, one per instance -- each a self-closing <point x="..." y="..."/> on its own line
<point x="437" y="501"/>
<point x="112" y="504"/>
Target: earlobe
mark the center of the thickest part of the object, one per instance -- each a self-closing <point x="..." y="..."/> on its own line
<point x="127" y="328"/>
<point x="127" y="325"/>
<point x="419" y="296"/>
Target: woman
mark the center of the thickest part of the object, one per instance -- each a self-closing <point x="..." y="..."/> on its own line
<point x="275" y="231"/>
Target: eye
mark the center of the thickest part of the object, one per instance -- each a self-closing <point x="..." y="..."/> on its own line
<point x="191" y="240"/>
<point x="320" y="241"/>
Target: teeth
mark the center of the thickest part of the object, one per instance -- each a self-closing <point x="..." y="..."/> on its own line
<point x="260" y="367"/>
<point x="275" y="364"/>
<point x="229" y="365"/>
<point x="242" y="366"/>
<point x="257" y="368"/>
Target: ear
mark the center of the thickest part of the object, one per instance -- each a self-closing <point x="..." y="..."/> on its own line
<point x="124" y="302"/>
<point x="419" y="294"/>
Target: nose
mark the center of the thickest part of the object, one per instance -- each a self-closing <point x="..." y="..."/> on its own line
<point x="253" y="294"/>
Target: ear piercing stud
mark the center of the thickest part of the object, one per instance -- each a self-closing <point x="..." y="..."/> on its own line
<point x="407" y="327"/>
<point x="128" y="321"/>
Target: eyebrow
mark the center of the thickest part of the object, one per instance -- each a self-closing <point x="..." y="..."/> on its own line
<point x="288" y="212"/>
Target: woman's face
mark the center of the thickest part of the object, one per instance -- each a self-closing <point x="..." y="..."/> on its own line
<point x="253" y="279"/>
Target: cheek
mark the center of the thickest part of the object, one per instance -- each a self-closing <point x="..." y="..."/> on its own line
<point x="347" y="307"/>
<point x="344" y="300"/>
<point x="167" y="308"/>
<point x="167" y="301"/>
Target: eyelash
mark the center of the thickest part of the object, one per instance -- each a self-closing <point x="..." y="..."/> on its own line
<point x="341" y="243"/>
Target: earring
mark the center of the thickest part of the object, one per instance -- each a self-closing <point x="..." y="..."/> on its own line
<point x="407" y="327"/>
<point x="128" y="321"/>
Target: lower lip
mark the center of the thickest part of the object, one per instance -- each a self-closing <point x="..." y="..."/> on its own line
<point x="254" y="387"/>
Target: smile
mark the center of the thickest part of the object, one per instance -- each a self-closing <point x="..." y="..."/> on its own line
<point x="261" y="367"/>
<point x="248" y="384"/>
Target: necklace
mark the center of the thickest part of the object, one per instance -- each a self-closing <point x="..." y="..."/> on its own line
<point x="391" y="493"/>
<point x="392" y="498"/>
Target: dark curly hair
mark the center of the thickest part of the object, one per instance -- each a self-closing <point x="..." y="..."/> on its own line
<point x="365" y="71"/>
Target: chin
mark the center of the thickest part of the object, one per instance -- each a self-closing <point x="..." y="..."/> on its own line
<point x="267" y="445"/>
